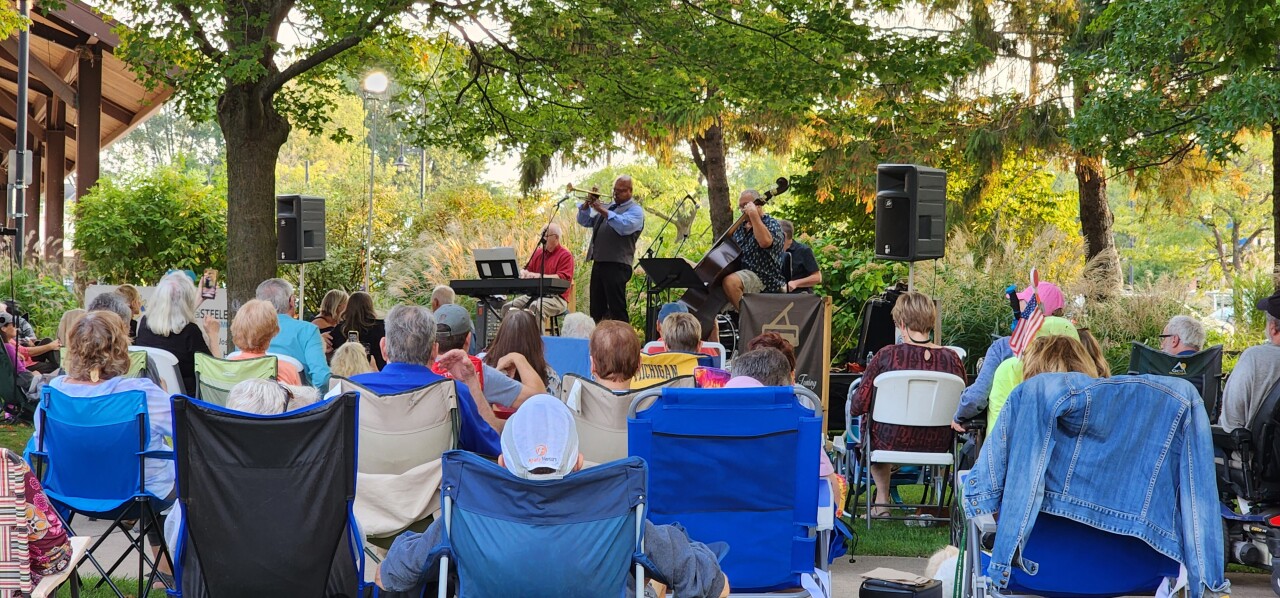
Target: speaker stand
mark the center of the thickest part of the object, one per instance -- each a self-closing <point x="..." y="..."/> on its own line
<point x="302" y="285"/>
<point x="911" y="276"/>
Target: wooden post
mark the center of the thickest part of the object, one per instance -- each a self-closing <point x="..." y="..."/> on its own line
<point x="88" y="119"/>
<point x="55" y="168"/>
<point x="31" y="205"/>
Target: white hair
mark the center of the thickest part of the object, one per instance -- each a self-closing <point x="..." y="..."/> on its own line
<point x="577" y="325"/>
<point x="443" y="294"/>
<point x="278" y="292"/>
<point x="410" y="334"/>
<point x="264" y="396"/>
<point x="173" y="305"/>
<point x="1188" y="330"/>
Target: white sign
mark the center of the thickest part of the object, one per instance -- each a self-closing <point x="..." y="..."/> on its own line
<point x="216" y="307"/>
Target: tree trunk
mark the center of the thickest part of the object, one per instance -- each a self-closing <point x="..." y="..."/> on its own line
<point x="1102" y="262"/>
<point x="254" y="132"/>
<point x="709" y="155"/>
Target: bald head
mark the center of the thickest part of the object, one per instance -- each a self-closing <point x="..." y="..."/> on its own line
<point x="622" y="189"/>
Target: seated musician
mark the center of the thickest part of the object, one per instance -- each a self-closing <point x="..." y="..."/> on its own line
<point x="551" y="260"/>
<point x="760" y="238"/>
<point x="803" y="273"/>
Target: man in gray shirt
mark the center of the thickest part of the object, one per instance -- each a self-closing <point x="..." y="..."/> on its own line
<point x="1257" y="371"/>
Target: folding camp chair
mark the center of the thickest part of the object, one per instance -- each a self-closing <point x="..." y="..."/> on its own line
<point x="167" y="366"/>
<point x="137" y="364"/>
<point x="601" y="415"/>
<point x="568" y="355"/>
<point x="402" y="437"/>
<point x="92" y="456"/>
<point x="267" y="500"/>
<point x="761" y="447"/>
<point x="1203" y="370"/>
<point x="578" y="536"/>
<point x="15" y="532"/>
<point x="297" y="365"/>
<point x="216" y="377"/>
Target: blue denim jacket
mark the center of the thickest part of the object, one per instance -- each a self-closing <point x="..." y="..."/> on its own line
<point x="974" y="399"/>
<point x="1132" y="455"/>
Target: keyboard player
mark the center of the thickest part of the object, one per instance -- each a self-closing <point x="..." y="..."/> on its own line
<point x="549" y="260"/>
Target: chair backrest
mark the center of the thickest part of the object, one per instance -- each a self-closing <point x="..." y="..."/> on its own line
<point x="216" y="377"/>
<point x="716" y="361"/>
<point x="916" y="398"/>
<point x="289" y="359"/>
<point x="1264" y="466"/>
<point x="657" y="369"/>
<point x="761" y="446"/>
<point x="233" y="468"/>
<point x="137" y="364"/>
<point x="573" y="537"/>
<point x="401" y="431"/>
<point x="1203" y="370"/>
<point x="650" y="347"/>
<point x="167" y="364"/>
<point x="568" y="355"/>
<point x="721" y="351"/>
<point x="8" y="385"/>
<point x="601" y="415"/>
<point x="91" y="448"/>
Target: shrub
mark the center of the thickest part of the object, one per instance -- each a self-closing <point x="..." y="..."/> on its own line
<point x="43" y="297"/>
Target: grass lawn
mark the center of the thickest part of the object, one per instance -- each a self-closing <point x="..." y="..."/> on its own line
<point x="15" y="437"/>
<point x="895" y="538"/>
<point x="128" y="586"/>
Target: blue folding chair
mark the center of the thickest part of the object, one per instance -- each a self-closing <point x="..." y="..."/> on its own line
<point x="91" y="457"/>
<point x="574" y="537"/>
<point x="761" y="445"/>
<point x="267" y="501"/>
<point x="568" y="355"/>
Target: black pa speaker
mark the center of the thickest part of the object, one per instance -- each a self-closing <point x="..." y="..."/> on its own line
<point x="299" y="229"/>
<point x="911" y="212"/>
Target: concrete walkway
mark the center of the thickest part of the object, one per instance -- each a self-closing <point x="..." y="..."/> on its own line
<point x="846" y="577"/>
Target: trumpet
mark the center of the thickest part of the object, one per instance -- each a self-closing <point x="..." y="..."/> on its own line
<point x="590" y="196"/>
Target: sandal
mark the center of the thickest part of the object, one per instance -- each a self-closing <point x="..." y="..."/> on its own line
<point x="881" y="513"/>
<point x="163" y="581"/>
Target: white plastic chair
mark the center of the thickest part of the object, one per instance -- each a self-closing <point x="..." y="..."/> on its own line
<point x="167" y="365"/>
<point x="649" y="346"/>
<point x="912" y="398"/>
<point x="50" y="584"/>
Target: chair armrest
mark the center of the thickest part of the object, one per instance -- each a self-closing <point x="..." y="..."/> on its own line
<point x="159" y="455"/>
<point x="1233" y="440"/>
<point x="826" y="506"/>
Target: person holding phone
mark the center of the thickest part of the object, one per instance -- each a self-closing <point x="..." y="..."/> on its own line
<point x="360" y="324"/>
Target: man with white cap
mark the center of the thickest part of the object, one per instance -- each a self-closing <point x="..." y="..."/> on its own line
<point x="540" y="442"/>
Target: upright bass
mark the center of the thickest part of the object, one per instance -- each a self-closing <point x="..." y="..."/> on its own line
<point x="724" y="258"/>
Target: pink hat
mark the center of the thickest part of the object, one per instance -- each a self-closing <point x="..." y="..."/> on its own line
<point x="743" y="382"/>
<point x="1050" y="297"/>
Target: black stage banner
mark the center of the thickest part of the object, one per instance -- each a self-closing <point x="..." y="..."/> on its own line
<point x="803" y="319"/>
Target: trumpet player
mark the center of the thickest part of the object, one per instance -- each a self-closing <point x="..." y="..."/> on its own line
<point x="615" y="229"/>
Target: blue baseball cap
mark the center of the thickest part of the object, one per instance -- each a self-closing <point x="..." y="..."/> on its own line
<point x="671" y="308"/>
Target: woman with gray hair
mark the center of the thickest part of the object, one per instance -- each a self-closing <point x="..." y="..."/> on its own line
<point x="577" y="325"/>
<point x="170" y="324"/>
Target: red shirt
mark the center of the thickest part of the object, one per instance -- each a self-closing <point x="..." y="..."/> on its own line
<point x="559" y="262"/>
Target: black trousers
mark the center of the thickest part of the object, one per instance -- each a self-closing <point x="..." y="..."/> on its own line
<point x="609" y="291"/>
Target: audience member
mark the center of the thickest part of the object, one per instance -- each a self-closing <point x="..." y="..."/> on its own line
<point x="1009" y="374"/>
<point x="170" y="324"/>
<point x="26" y="381"/>
<point x="683" y="333"/>
<point x="519" y="339"/>
<point x="775" y="341"/>
<point x="1094" y="350"/>
<point x="577" y="325"/>
<point x="666" y="311"/>
<point x="26" y="332"/>
<point x="453" y="331"/>
<point x="69" y="319"/>
<point x="118" y="305"/>
<point x="351" y="359"/>
<point x="409" y="349"/>
<point x="332" y="308"/>
<point x="441" y="295"/>
<point x="615" y="355"/>
<point x="913" y="317"/>
<point x="1183" y="335"/>
<point x="97" y="359"/>
<point x="297" y="339"/>
<point x="1255" y="373"/>
<point x="974" y="399"/>
<point x="131" y="294"/>
<point x="1056" y="355"/>
<point x="252" y="329"/>
<point x="360" y="323"/>
<point x="800" y="265"/>
<point x="540" y="442"/>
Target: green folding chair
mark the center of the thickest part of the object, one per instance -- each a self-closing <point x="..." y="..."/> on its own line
<point x="137" y="364"/>
<point x="215" y="377"/>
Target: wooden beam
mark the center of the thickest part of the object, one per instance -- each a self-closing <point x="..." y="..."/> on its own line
<point x="74" y="16"/>
<point x="32" y="122"/>
<point x="44" y="73"/>
<point x="116" y="111"/>
<point x="89" y="144"/>
<point x="57" y="36"/>
<point x="35" y="85"/>
<point x="55" y="173"/>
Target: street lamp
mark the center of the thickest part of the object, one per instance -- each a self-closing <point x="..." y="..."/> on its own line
<point x="374" y="85"/>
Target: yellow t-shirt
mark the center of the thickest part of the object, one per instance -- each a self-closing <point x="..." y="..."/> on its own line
<point x="661" y="367"/>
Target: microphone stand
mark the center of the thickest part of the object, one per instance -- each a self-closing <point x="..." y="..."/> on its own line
<point x="542" y="266"/>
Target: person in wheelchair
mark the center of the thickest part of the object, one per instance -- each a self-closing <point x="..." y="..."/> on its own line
<point x="913" y="317"/>
<point x="1256" y="372"/>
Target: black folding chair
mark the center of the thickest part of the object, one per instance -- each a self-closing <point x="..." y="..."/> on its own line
<point x="1203" y="370"/>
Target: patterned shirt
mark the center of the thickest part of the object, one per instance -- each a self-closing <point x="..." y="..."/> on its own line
<point x="765" y="262"/>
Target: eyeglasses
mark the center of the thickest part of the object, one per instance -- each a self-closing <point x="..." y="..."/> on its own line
<point x="1166" y="335"/>
<point x="288" y="395"/>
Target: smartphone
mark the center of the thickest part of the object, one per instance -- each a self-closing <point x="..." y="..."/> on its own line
<point x="209" y="284"/>
<point x="353" y="337"/>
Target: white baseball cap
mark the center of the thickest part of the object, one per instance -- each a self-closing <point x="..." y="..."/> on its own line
<point x="540" y="434"/>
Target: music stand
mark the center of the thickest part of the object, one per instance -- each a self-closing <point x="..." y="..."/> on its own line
<point x="499" y="262"/>
<point x="664" y="273"/>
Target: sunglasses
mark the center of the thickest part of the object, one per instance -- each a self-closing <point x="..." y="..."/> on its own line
<point x="288" y="396"/>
